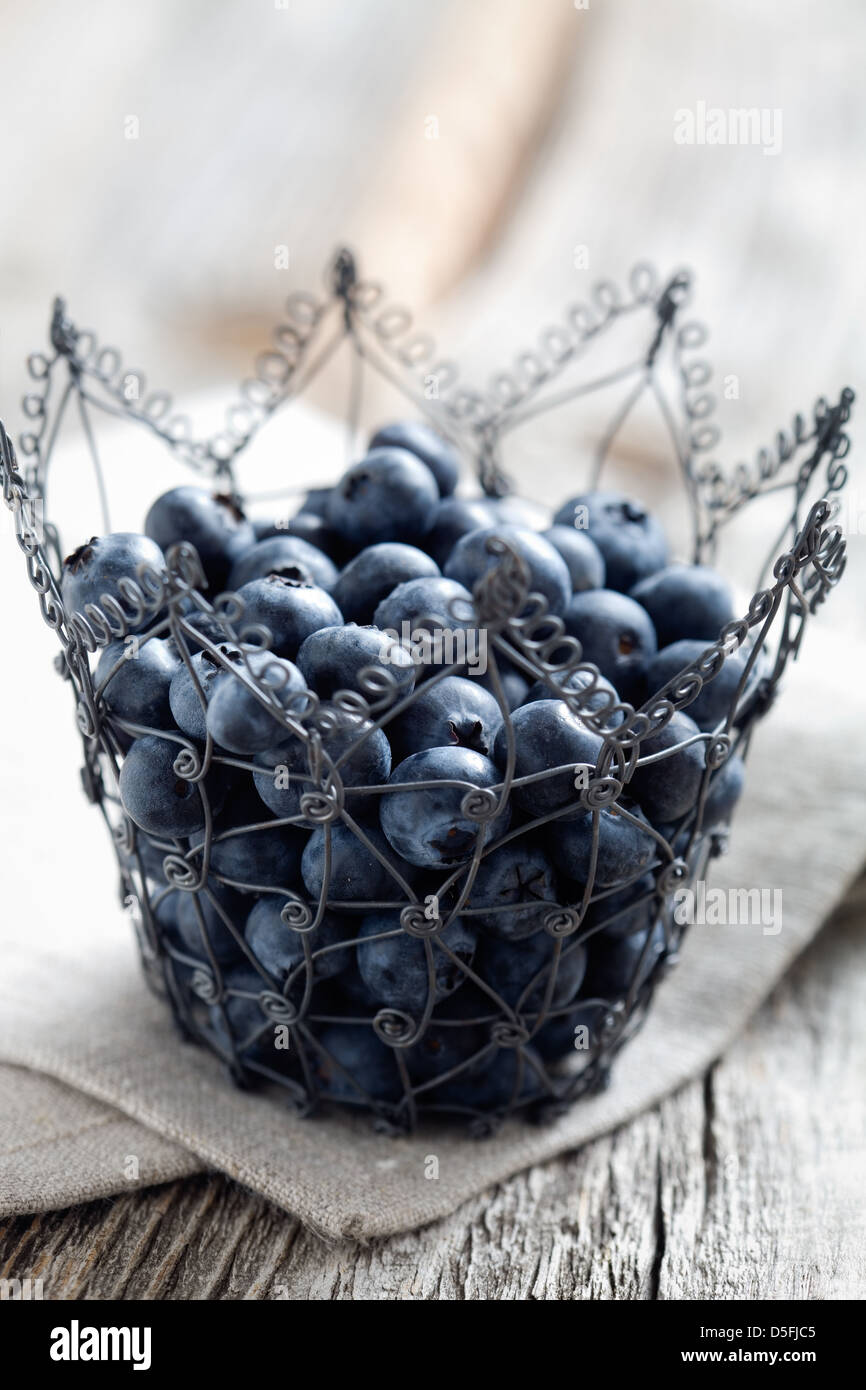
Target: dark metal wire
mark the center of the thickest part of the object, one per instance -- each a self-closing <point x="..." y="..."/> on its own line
<point x="807" y="560"/>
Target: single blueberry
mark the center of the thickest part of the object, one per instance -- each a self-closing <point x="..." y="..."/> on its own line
<point x="574" y="1033"/>
<point x="547" y="736"/>
<point x="428" y="825"/>
<point x="357" y="875"/>
<point x="237" y="718"/>
<point x="102" y="567"/>
<point x="717" y="695"/>
<point x="516" y="885"/>
<point x="192" y="687"/>
<point x="669" y="788"/>
<point x="454" y="518"/>
<point x="686" y="601"/>
<point x="291" y="609"/>
<point x="580" y="552"/>
<point x="350" y="1063"/>
<point x="248" y="849"/>
<point x="616" y="636"/>
<point x="135" y="680"/>
<point x="374" y="573"/>
<point x="214" y="524"/>
<point x="626" y="911"/>
<point x="397" y="968"/>
<point x="213" y="910"/>
<point x="333" y="658"/>
<point x="360" y="750"/>
<point x="622" y="848"/>
<point x="725" y="789"/>
<point x="424" y="442"/>
<point x="632" y="542"/>
<point x="157" y="798"/>
<point x="599" y="697"/>
<point x="281" y="950"/>
<point x="426" y="605"/>
<point x="519" y="971"/>
<point x="617" y="966"/>
<point x="471" y="559"/>
<point x="508" y="1077"/>
<point x="388" y="496"/>
<point x="452" y="713"/>
<point x="290" y="557"/>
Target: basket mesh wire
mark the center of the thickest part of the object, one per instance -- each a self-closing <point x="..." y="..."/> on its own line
<point x="475" y="1054"/>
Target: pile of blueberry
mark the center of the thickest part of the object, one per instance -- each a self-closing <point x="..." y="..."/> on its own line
<point x="371" y="866"/>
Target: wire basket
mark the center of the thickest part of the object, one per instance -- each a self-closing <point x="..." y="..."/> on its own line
<point x="482" y="1051"/>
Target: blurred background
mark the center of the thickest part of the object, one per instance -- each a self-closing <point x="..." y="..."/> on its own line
<point x="174" y="170"/>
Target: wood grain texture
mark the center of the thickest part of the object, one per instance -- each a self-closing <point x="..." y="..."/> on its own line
<point x="745" y="1184"/>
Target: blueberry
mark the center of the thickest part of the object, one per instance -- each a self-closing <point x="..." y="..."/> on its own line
<point x="453" y="1038"/>
<point x="248" y="850"/>
<point x="547" y="735"/>
<point x="394" y="965"/>
<point x="716" y="698"/>
<point x="628" y="910"/>
<point x="280" y="949"/>
<point x="601" y="695"/>
<point x="510" y="967"/>
<point x="455" y="517"/>
<point x="425" y="444"/>
<point x="580" y="552"/>
<point x="517" y="886"/>
<point x="548" y="573"/>
<point x="290" y="557"/>
<point x="291" y="609"/>
<point x="307" y="526"/>
<point x="333" y="658"/>
<point x="425" y="605"/>
<point x="350" y="1063"/>
<point x="686" y="601"/>
<point x="725" y="790"/>
<point x="667" y="789"/>
<point x="618" y="966"/>
<point x="236" y="718"/>
<point x="631" y="541"/>
<point x="558" y="1037"/>
<point x="101" y="567"/>
<point x="213" y="907"/>
<point x="616" y="636"/>
<point x="454" y="712"/>
<point x="375" y="573"/>
<point x="137" y="680"/>
<point x="152" y="857"/>
<point x="356" y="874"/>
<point x="388" y="496"/>
<point x="189" y="704"/>
<point x="427" y="825"/>
<point x="213" y="524"/>
<point x="157" y="798"/>
<point x="238" y="1020"/>
<point x="623" y="848"/>
<point x="364" y="757"/>
<point x="508" y="1077"/>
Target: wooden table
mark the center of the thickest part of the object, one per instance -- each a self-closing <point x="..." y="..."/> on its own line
<point x="746" y="1184"/>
